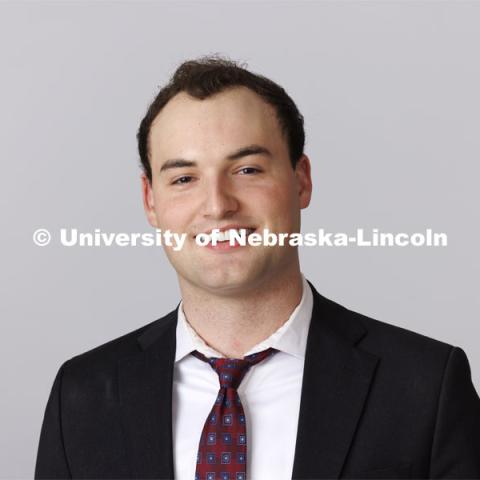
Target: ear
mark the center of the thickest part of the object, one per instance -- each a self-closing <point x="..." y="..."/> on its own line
<point x="148" y="202"/>
<point x="304" y="181"/>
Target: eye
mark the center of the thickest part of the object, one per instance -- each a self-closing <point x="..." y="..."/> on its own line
<point x="248" y="170"/>
<point x="182" y="180"/>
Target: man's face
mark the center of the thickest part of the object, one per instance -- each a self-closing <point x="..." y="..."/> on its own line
<point x="224" y="162"/>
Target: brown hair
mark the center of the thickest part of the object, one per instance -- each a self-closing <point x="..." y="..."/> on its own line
<point x="209" y="75"/>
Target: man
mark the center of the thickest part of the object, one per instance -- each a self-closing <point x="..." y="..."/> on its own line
<point x="254" y="373"/>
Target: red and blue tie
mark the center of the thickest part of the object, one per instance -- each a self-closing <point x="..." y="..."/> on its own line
<point x="222" y="452"/>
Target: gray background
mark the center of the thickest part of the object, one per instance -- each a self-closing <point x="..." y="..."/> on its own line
<point x="390" y="95"/>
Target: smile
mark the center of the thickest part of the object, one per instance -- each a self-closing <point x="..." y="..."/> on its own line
<point x="224" y="240"/>
<point x="225" y="234"/>
<point x="228" y="235"/>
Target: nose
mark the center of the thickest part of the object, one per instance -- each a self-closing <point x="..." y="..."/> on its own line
<point x="219" y="199"/>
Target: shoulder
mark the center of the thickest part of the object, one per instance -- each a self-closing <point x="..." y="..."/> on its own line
<point x="411" y="368"/>
<point x="399" y="349"/>
<point x="386" y="337"/>
<point x="377" y="334"/>
<point x="401" y="345"/>
<point x="101" y="362"/>
<point x="414" y="361"/>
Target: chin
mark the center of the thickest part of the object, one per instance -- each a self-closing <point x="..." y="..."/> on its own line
<point x="223" y="282"/>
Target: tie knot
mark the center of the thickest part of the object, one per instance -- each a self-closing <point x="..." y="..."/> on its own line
<point x="232" y="370"/>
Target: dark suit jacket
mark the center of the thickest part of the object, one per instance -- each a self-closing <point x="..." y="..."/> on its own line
<point x="377" y="401"/>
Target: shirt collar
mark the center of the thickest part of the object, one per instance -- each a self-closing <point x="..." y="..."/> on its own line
<point x="290" y="338"/>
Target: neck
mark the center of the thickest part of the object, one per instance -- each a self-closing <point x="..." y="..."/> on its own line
<point x="233" y="324"/>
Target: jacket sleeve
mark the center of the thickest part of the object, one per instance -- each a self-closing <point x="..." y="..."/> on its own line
<point x="51" y="459"/>
<point x="456" y="441"/>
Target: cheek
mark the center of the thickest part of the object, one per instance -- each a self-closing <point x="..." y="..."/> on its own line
<point x="170" y="212"/>
<point x="275" y="197"/>
<point x="279" y="206"/>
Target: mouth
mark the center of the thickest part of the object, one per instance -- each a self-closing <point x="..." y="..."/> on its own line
<point x="224" y="234"/>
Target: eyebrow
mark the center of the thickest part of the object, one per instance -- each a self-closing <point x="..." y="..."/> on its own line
<point x="236" y="155"/>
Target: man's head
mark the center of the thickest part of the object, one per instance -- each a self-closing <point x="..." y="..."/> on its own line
<point x="222" y="147"/>
<point x="208" y="76"/>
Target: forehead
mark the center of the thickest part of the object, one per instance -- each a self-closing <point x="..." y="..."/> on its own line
<point x="230" y="119"/>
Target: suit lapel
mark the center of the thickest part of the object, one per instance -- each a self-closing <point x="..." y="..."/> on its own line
<point x="337" y="377"/>
<point x="145" y="388"/>
<point x="336" y="381"/>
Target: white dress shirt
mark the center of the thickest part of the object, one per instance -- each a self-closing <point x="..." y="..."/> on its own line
<point x="269" y="392"/>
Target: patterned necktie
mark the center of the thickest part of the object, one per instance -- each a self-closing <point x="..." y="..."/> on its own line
<point x="222" y="452"/>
